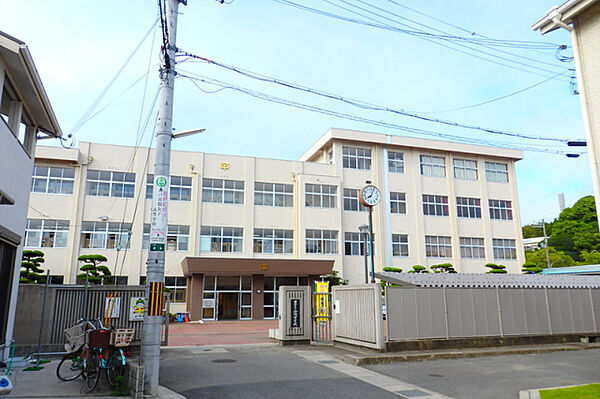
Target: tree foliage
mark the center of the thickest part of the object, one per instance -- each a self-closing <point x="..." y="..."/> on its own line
<point x="97" y="272"/>
<point x="576" y="229"/>
<point x="443" y="268"/>
<point x="31" y="273"/>
<point x="419" y="269"/>
<point x="335" y="279"/>
<point x="557" y="258"/>
<point x="495" y="269"/>
<point x="531" y="268"/>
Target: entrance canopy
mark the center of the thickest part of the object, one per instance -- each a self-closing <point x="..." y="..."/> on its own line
<point x="250" y="266"/>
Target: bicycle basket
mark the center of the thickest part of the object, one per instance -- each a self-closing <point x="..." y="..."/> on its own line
<point x="99" y="338"/>
<point x="75" y="337"/>
<point x="122" y="336"/>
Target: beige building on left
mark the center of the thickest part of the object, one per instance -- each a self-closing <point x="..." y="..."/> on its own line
<point x="241" y="226"/>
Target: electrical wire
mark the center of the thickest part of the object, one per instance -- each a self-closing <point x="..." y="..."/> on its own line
<point x="366" y="105"/>
<point x="266" y="97"/>
<point x="494" y="99"/>
<point x="86" y="116"/>
<point x="432" y="38"/>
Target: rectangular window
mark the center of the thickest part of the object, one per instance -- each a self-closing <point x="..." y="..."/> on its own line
<point x="52" y="180"/>
<point x="271" y="194"/>
<point x="500" y="210"/>
<point x="178" y="237"/>
<point x="438" y="247"/>
<point x="435" y="205"/>
<point x="103" y="183"/>
<point x="351" y="202"/>
<point x="398" y="203"/>
<point x="504" y="248"/>
<point x="472" y="247"/>
<point x="321" y="195"/>
<point x="356" y="158"/>
<point x="433" y="166"/>
<point x="399" y="244"/>
<point x="105" y="235"/>
<point x="178" y="288"/>
<point x="223" y="191"/>
<point x="321" y="241"/>
<point x="496" y="172"/>
<point x="465" y="169"/>
<point x="180" y="188"/>
<point x="273" y="241"/>
<point x="395" y="162"/>
<point x="468" y="207"/>
<point x="354" y="244"/>
<point x="46" y="233"/>
<point x="221" y="239"/>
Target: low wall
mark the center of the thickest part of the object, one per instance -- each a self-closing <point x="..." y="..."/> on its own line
<point x="448" y="313"/>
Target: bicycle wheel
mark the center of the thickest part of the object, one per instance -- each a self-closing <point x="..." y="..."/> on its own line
<point x="92" y="370"/>
<point x="70" y="367"/>
<point x="115" y="368"/>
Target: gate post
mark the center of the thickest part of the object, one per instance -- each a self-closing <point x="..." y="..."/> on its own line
<point x="295" y="322"/>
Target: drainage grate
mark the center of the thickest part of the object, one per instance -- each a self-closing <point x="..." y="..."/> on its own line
<point x="327" y="361"/>
<point x="224" y="361"/>
<point x="412" y="393"/>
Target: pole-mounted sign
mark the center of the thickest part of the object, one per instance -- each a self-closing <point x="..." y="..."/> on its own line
<point x="158" y="223"/>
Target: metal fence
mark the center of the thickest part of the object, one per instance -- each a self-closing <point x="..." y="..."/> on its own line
<point x="357" y="317"/>
<point x="444" y="312"/>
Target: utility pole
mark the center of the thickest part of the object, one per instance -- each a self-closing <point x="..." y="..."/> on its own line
<point x="155" y="270"/>
<point x="546" y="245"/>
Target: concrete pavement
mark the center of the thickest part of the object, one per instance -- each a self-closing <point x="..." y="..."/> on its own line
<point x="221" y="332"/>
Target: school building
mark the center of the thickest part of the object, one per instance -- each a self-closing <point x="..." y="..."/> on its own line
<point x="239" y="226"/>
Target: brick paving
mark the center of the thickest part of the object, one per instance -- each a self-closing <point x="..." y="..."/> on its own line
<point x="221" y="333"/>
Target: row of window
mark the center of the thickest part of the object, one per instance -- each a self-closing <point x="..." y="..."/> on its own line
<point x="431" y="165"/>
<point x="106" y="235"/>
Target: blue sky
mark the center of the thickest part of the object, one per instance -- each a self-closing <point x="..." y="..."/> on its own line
<point x="78" y="46"/>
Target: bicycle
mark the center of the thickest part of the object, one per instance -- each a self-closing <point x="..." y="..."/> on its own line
<point x="72" y="364"/>
<point x="106" y="352"/>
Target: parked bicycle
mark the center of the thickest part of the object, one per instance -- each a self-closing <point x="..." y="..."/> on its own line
<point x="106" y="352"/>
<point x="72" y="364"/>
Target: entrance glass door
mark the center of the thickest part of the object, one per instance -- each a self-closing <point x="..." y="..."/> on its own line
<point x="228" y="306"/>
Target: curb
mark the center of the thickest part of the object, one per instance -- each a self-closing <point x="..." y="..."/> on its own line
<point x="362" y="360"/>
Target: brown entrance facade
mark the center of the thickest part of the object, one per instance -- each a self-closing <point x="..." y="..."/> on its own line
<point x="242" y="288"/>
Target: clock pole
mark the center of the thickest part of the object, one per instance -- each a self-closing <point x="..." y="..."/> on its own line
<point x="371" y="244"/>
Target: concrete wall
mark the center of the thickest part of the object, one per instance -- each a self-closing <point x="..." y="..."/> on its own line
<point x="425" y="313"/>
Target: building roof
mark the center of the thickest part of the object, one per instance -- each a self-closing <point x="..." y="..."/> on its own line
<point x="561" y="16"/>
<point x="402" y="141"/>
<point x="24" y="76"/>
<point x="585" y="269"/>
<point x="471" y="280"/>
<point x="248" y="266"/>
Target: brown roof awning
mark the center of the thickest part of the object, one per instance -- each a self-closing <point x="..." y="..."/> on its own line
<point x="249" y="266"/>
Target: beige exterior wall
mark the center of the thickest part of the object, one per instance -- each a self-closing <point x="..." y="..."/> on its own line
<point x="315" y="168"/>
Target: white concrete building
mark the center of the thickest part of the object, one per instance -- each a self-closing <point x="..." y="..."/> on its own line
<point x="25" y="112"/>
<point x="442" y="202"/>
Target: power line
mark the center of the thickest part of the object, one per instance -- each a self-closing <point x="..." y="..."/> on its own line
<point x="308" y="107"/>
<point x="494" y="99"/>
<point x="365" y="105"/>
<point x="455" y="40"/>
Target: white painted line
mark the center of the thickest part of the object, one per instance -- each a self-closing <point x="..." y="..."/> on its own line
<point x="385" y="382"/>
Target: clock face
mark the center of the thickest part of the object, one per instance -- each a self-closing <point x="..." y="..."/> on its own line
<point x="370" y="196"/>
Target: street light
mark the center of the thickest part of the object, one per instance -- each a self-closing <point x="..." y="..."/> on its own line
<point x="185" y="133"/>
<point x="364" y="230"/>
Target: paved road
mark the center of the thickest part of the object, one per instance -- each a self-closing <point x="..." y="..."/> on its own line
<point x="264" y="372"/>
<point x="501" y="376"/>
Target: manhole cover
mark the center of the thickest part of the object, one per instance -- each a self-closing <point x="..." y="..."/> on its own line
<point x="224" y="361"/>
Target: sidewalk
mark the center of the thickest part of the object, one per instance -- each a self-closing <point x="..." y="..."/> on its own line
<point x="44" y="384"/>
<point x="221" y="333"/>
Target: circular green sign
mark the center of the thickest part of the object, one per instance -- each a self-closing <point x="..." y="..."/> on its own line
<point x="161" y="181"/>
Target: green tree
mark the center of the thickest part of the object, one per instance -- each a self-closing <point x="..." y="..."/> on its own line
<point x="590" y="258"/>
<point x="335" y="279"/>
<point x="576" y="229"/>
<point x="98" y="273"/>
<point x="443" y="268"/>
<point x="30" y="267"/>
<point x="557" y="258"/>
<point x="495" y="269"/>
<point x="419" y="269"/>
<point x="531" y="268"/>
<point x="392" y="269"/>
